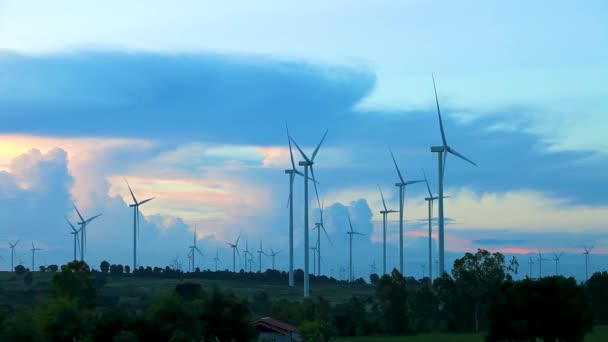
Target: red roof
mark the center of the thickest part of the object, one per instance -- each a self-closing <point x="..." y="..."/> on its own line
<point x="273" y="324"/>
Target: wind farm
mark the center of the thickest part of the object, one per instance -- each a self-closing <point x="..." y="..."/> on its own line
<point x="155" y="135"/>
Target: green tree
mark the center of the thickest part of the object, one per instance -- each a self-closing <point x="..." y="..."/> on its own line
<point x="104" y="267"/>
<point x="425" y="310"/>
<point x="74" y="282"/>
<point x="597" y="292"/>
<point x="478" y="276"/>
<point x="28" y="279"/>
<point x="63" y="319"/>
<point x="20" y="269"/>
<point x="391" y="295"/>
<point x="21" y="327"/>
<point x="310" y="331"/>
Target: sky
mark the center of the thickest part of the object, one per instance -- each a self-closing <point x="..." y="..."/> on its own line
<point x="189" y="102"/>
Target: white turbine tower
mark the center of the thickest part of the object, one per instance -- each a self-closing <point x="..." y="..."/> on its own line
<point x="12" y="247"/>
<point x="135" y="207"/>
<point x="194" y="249"/>
<point x="83" y="228"/>
<point x="246" y="254"/>
<point x="34" y="249"/>
<point x="402" y="184"/>
<point x="260" y="252"/>
<point x="320" y="226"/>
<point x="587" y="252"/>
<point x="531" y="262"/>
<point x="217" y="258"/>
<point x="292" y="175"/>
<point x="351" y="233"/>
<point x="74" y="232"/>
<point x="273" y="254"/>
<point x="235" y="250"/>
<point x="442" y="154"/>
<point x="308" y="164"/>
<point x="556" y="258"/>
<point x="384" y="213"/>
<point x="430" y="200"/>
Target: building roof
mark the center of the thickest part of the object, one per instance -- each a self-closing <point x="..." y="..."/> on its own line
<point x="275" y="325"/>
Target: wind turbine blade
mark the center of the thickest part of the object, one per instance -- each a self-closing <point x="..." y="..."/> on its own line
<point x="71" y="225"/>
<point x="445" y="143"/>
<point x="397" y="167"/>
<point x="78" y="212"/>
<point x="293" y="163"/>
<point x="327" y="235"/>
<point x="146" y="201"/>
<point x="318" y="146"/>
<point x="445" y="159"/>
<point x="427" y="184"/>
<point x="299" y="149"/>
<point x="237" y="240"/>
<point x="454" y="152"/>
<point x="131" y="191"/>
<point x="92" y="218"/>
<point x="350" y="223"/>
<point x="381" y="195"/>
<point x="414" y="182"/>
<point x="312" y="171"/>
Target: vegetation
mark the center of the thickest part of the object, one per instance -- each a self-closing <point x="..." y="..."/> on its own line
<point x="478" y="301"/>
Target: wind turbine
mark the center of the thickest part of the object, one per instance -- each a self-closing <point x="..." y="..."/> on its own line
<point x="12" y="247"/>
<point x="273" y="254"/>
<point x="34" y="249"/>
<point x="314" y="255"/>
<point x="194" y="249"/>
<point x="292" y="174"/>
<point x="556" y="258"/>
<point x="442" y="154"/>
<point x="430" y="200"/>
<point x="235" y="250"/>
<point x="83" y="237"/>
<point x="531" y="262"/>
<point x="217" y="259"/>
<point x="246" y="253"/>
<point x="423" y="266"/>
<point x="190" y="264"/>
<point x="251" y="262"/>
<point x="135" y="207"/>
<point x="372" y="267"/>
<point x="587" y="252"/>
<point x="402" y="184"/>
<point x="307" y="163"/>
<point x="384" y="213"/>
<point x="75" y="233"/>
<point x="351" y="233"/>
<point x="260" y="252"/>
<point x="318" y="227"/>
<point x="540" y="264"/>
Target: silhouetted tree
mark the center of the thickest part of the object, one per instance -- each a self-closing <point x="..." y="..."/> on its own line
<point x="391" y="295"/>
<point x="74" y="282"/>
<point x="53" y="268"/>
<point x="20" y="269"/>
<point x="597" y="292"/>
<point x="374" y="278"/>
<point x="127" y="269"/>
<point x="104" y="266"/>
<point x="28" y="278"/>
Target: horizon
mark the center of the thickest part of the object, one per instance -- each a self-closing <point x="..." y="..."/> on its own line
<point x="191" y="110"/>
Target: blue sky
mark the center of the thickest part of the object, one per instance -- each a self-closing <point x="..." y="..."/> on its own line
<point x="189" y="101"/>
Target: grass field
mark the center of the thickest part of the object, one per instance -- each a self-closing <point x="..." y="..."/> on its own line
<point x="600" y="334"/>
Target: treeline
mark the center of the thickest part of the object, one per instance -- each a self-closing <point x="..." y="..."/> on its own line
<point x="186" y="314"/>
<point x="480" y="295"/>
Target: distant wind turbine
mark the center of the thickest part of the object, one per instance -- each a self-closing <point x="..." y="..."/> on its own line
<point x="401" y="185"/>
<point x="372" y="267"/>
<point x="384" y="213"/>
<point x="194" y="249"/>
<point x="308" y="164"/>
<point x="430" y="200"/>
<point x="135" y="207"/>
<point x="556" y="258"/>
<point x="12" y="247"/>
<point x="587" y="252"/>
<point x="540" y="264"/>
<point x="260" y="253"/>
<point x="34" y="249"/>
<point x="351" y="233"/>
<point x="292" y="174"/>
<point x="273" y="254"/>
<point x="75" y="233"/>
<point x="531" y="262"/>
<point x="320" y="226"/>
<point x="235" y="250"/>
<point x="83" y="236"/>
<point x="217" y="259"/>
<point x="442" y="154"/>
<point x="314" y="255"/>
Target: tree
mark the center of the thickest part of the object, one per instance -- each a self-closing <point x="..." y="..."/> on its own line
<point x="374" y="278"/>
<point x="74" y="282"/>
<point x="53" y="268"/>
<point x="425" y="310"/>
<point x="104" y="267"/>
<point x="597" y="292"/>
<point x="478" y="276"/>
<point x="42" y="269"/>
<point x="310" y="331"/>
<point x="19" y="269"/>
<point x="127" y="269"/>
<point x="28" y="279"/>
<point x="391" y="295"/>
<point x="551" y="308"/>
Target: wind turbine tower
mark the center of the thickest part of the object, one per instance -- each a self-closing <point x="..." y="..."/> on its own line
<point x="442" y="153"/>
<point x="75" y="233"/>
<point x="556" y="258"/>
<point x="217" y="259"/>
<point x="540" y="264"/>
<point x="308" y="164"/>
<point x="260" y="252"/>
<point x="320" y="226"/>
<point x="235" y="250"/>
<point x="351" y="233"/>
<point x="430" y="201"/>
<point x="12" y="247"/>
<point x="292" y="174"/>
<point x="194" y="249"/>
<point x="384" y="213"/>
<point x="587" y="252"/>
<point x="273" y="254"/>
<point x="34" y="249"/>
<point x="531" y="262"/>
<point x="135" y="207"/>
<point x="401" y="185"/>
<point x="83" y="229"/>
